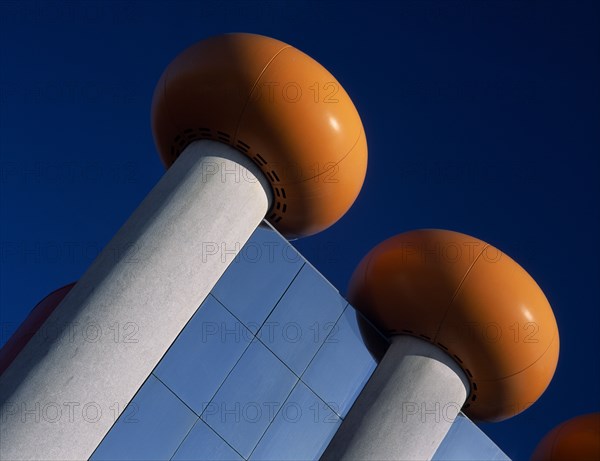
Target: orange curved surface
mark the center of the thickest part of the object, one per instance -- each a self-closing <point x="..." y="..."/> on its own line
<point x="577" y="439"/>
<point x="474" y="302"/>
<point x="279" y="107"/>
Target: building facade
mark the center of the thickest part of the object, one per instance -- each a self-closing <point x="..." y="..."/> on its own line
<point x="267" y="369"/>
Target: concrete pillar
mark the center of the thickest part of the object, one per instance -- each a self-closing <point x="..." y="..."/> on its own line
<point x="63" y="392"/>
<point x="406" y="408"/>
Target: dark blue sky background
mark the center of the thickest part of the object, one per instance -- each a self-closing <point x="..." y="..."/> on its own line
<point x="482" y="117"/>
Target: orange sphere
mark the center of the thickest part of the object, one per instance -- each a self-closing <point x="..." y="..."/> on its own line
<point x="279" y="107"/>
<point x="577" y="439"/>
<point x="475" y="303"/>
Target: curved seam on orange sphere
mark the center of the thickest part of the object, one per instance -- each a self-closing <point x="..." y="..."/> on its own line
<point x="332" y="166"/>
<point x="491" y="396"/>
<point x="461" y="283"/>
<point x="243" y="111"/>
<point x="528" y="366"/>
<point x="306" y="212"/>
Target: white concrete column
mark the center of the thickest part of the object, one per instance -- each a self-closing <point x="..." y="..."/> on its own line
<point x="406" y="408"/>
<point x="66" y="388"/>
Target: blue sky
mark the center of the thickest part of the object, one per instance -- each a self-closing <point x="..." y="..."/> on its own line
<point x="481" y="117"/>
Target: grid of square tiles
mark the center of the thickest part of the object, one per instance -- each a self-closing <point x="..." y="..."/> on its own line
<point x="266" y="369"/>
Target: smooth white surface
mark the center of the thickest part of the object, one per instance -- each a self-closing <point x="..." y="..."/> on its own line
<point x="66" y="388"/>
<point x="407" y="407"/>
